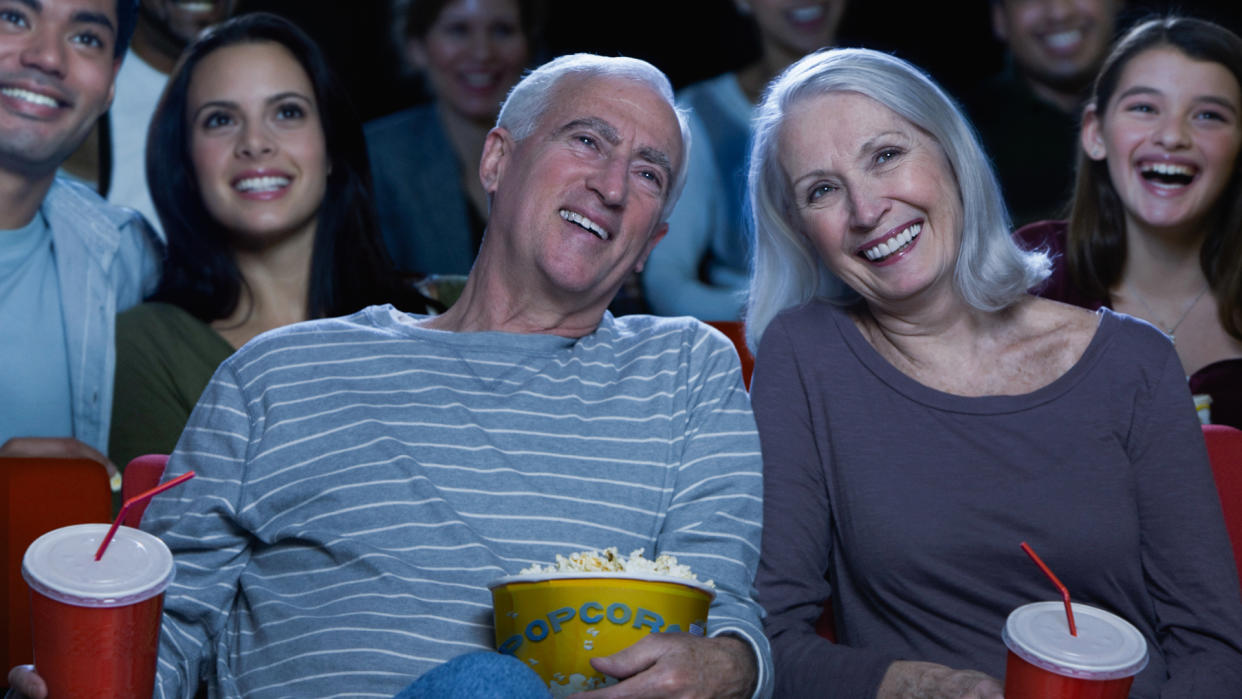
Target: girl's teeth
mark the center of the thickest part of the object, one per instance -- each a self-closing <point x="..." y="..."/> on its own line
<point x="262" y="184"/>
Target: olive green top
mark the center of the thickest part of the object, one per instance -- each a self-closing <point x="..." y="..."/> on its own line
<point x="164" y="359"/>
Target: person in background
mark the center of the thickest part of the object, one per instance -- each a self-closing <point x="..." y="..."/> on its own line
<point x="1027" y="115"/>
<point x="921" y="415"/>
<point x="68" y="261"/>
<point x="111" y="159"/>
<point x="259" y="173"/>
<point x="362" y="479"/>
<point x="1156" y="225"/>
<point x="701" y="269"/>
<point x="432" y="209"/>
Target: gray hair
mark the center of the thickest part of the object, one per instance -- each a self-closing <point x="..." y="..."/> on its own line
<point x="527" y="101"/>
<point x="992" y="271"/>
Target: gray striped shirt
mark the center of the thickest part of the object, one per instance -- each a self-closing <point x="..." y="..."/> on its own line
<point x="361" y="480"/>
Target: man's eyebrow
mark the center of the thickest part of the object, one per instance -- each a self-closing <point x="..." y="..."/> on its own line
<point x="603" y="128"/>
<point x="90" y="17"/>
<point x="657" y="157"/>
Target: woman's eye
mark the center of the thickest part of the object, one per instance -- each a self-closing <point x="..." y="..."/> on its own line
<point x="1141" y="108"/>
<point x="503" y="30"/>
<point x="1212" y="115"/>
<point x="217" y="119"/>
<point x="819" y="191"/>
<point x="886" y="155"/>
<point x="290" y="111"/>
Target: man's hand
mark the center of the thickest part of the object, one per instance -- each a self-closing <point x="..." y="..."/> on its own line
<point x="26" y="684"/>
<point x="680" y="665"/>
<point x="59" y="448"/>
<point x="913" y="680"/>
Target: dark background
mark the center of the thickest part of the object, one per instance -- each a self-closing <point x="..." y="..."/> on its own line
<point x="689" y="39"/>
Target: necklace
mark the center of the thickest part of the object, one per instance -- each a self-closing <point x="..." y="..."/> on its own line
<point x="1151" y="314"/>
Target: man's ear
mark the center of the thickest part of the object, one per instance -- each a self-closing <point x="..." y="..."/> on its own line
<point x="497" y="148"/>
<point x="416" y="53"/>
<point x="998" y="22"/>
<point x="1090" y="137"/>
<point x="656" y="236"/>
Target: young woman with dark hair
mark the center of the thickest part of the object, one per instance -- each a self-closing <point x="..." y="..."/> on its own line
<point x="259" y="173"/>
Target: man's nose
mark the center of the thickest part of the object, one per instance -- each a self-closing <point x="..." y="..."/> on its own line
<point x="611" y="181"/>
<point x="44" y="52"/>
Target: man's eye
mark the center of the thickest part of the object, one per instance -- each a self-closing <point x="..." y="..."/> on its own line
<point x="587" y="141"/>
<point x="652" y="176"/>
<point x="89" y="39"/>
<point x="14" y="17"/>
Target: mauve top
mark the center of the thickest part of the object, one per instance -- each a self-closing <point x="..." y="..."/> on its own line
<point x="905" y="506"/>
<point x="1221" y="380"/>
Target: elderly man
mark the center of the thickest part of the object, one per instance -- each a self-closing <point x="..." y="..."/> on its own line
<point x="68" y="261"/>
<point x="362" y="479"/>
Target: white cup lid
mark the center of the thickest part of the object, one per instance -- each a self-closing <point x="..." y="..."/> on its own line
<point x="1106" y="647"/>
<point x="61" y="565"/>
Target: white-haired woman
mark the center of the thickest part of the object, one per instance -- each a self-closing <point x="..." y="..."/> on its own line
<point x="921" y="414"/>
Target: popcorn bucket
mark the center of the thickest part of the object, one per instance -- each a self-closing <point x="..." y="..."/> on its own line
<point x="557" y="622"/>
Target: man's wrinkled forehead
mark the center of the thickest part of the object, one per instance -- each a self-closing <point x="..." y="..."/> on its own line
<point x="581" y="101"/>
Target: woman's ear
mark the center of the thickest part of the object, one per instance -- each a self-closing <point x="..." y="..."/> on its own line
<point x="1091" y="137"/>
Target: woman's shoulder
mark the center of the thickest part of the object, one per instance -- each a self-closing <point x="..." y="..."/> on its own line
<point x="156" y="316"/>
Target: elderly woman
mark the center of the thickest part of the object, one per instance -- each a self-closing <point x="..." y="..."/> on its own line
<point x="921" y="414"/>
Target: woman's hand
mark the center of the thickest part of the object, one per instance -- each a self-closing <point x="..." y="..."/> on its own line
<point x="913" y="680"/>
<point x="25" y="683"/>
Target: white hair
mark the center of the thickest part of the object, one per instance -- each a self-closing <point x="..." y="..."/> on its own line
<point x="527" y="101"/>
<point x="992" y="271"/>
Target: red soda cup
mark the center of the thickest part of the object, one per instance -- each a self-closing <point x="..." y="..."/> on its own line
<point x="1046" y="662"/>
<point x="96" y="624"/>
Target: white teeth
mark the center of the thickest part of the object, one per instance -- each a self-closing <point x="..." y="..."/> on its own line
<point x="197" y="6"/>
<point x="261" y="184"/>
<point x="1169" y="169"/>
<point x="28" y="96"/>
<point x="876" y="253"/>
<point x="1062" y="40"/>
<point x="809" y="13"/>
<point x="585" y="223"/>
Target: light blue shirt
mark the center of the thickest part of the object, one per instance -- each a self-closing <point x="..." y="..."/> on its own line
<point x="34" y="402"/>
<point x="106" y="259"/>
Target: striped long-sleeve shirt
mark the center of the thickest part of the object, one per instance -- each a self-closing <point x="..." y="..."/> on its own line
<point x="361" y="480"/>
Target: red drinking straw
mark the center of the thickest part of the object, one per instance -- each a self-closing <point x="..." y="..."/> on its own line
<point x="140" y="497"/>
<point x="1069" y="611"/>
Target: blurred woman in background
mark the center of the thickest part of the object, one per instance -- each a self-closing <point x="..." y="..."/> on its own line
<point x="432" y="208"/>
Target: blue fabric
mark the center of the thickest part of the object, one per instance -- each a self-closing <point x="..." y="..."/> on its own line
<point x="478" y="676"/>
<point x="362" y="479"/>
<point x="107" y="259"/>
<point x="701" y="267"/>
<point x="423" y="212"/>
<point x="34" y="402"/>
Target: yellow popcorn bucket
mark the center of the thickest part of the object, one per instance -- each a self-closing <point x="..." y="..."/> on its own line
<point x="557" y="622"/>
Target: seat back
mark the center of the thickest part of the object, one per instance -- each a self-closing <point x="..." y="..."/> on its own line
<point x="142" y="474"/>
<point x="38" y="495"/>
<point x="1224" y="446"/>
<point x="736" y="332"/>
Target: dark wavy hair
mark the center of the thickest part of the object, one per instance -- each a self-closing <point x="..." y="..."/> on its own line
<point x="126" y="20"/>
<point x="1096" y="245"/>
<point x="350" y="268"/>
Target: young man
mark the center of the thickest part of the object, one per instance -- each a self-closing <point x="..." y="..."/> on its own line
<point x="362" y="479"/>
<point x="68" y="261"/>
<point x="1028" y="114"/>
